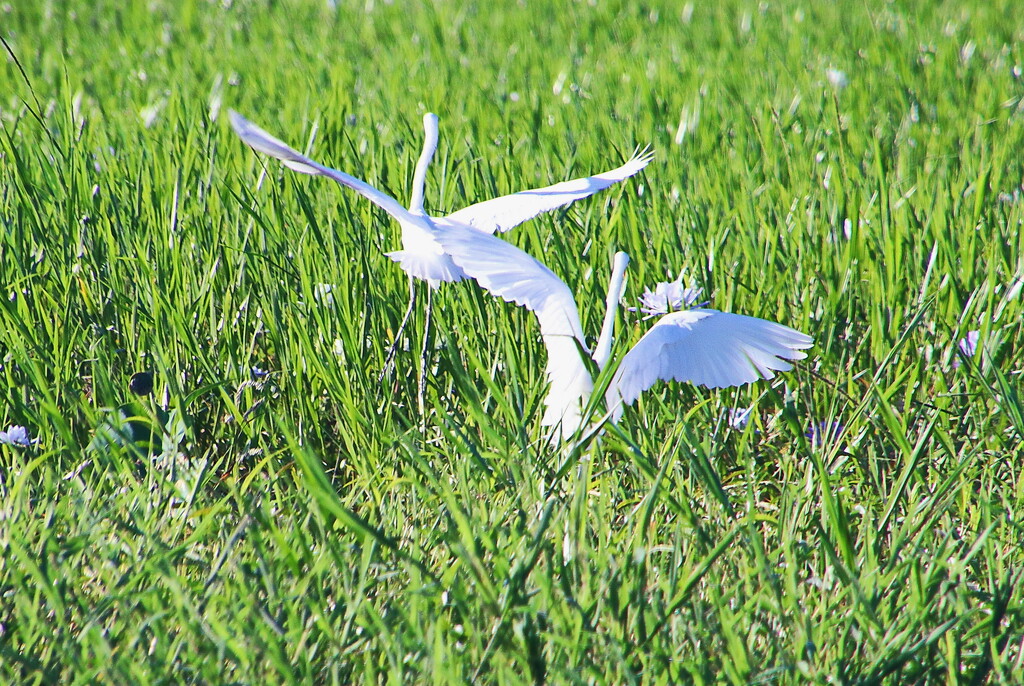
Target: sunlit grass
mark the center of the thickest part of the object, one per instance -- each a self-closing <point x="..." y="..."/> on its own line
<point x="304" y="522"/>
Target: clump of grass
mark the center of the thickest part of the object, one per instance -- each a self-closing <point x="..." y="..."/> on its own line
<point x="302" y="522"/>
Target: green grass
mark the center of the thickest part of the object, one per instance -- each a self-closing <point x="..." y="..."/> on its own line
<point x="312" y="525"/>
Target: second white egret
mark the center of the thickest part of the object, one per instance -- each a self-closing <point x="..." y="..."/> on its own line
<point x="703" y="346"/>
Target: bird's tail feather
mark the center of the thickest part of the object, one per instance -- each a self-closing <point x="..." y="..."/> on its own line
<point x="429" y="268"/>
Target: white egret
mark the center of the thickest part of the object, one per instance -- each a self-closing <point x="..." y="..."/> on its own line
<point x="422" y="257"/>
<point x="703" y="346"/>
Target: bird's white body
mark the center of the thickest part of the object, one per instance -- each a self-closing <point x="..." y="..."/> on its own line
<point x="702" y="346"/>
<point x="422" y="256"/>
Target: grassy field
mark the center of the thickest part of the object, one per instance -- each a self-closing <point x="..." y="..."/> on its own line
<point x="854" y="172"/>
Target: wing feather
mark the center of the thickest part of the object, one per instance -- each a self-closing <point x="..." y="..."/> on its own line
<point x="263" y="142"/>
<point x="570" y="385"/>
<point x="707" y="348"/>
<point x="509" y="273"/>
<point x="509" y="211"/>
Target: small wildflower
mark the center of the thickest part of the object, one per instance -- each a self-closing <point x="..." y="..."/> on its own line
<point x="17" y="436"/>
<point x="150" y="113"/>
<point x="739" y="417"/>
<point x="668" y="296"/>
<point x="968" y="345"/>
<point x="322" y="293"/>
<point x="821" y="433"/>
<point x="258" y="373"/>
<point x="837" y="78"/>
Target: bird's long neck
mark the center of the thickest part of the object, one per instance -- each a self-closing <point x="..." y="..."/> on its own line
<point x="604" y="344"/>
<point x="419" y="179"/>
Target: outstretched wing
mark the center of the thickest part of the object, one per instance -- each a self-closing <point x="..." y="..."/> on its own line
<point x="509" y="211"/>
<point x="261" y="141"/>
<point x="707" y="348"/>
<point x="509" y="273"/>
<point x="570" y="385"/>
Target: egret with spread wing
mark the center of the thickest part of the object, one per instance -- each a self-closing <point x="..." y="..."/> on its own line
<point x="703" y="346"/>
<point x="422" y="257"/>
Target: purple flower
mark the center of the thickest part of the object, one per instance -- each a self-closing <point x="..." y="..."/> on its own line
<point x="668" y="296"/>
<point x="821" y="433"/>
<point x="17" y="436"/>
<point x="968" y="346"/>
<point x="739" y="417"/>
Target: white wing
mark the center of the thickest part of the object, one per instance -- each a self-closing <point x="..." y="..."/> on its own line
<point x="707" y="348"/>
<point x="261" y="141"/>
<point x="570" y="385"/>
<point x="509" y="211"/>
<point x="509" y="273"/>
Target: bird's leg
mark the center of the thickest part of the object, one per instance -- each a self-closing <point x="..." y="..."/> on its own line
<point x="390" y="359"/>
<point x="423" y="351"/>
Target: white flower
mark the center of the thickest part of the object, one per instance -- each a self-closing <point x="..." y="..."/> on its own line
<point x="837" y="78"/>
<point x="150" y="113"/>
<point x="668" y="296"/>
<point x="322" y="293"/>
<point x="17" y="436"/>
